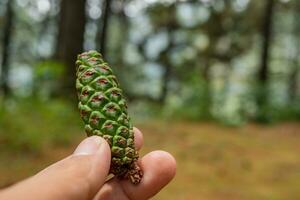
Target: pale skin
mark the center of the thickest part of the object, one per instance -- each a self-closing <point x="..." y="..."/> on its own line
<point x="83" y="176"/>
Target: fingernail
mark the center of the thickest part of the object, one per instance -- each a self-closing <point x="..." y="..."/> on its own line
<point x="88" y="146"/>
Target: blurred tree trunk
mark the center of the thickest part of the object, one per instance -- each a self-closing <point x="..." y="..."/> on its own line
<point x="266" y="43"/>
<point x="293" y="83"/>
<point x="124" y="26"/>
<point x="165" y="78"/>
<point x="45" y="24"/>
<point x="266" y="32"/>
<point x="8" y="29"/>
<point x="101" y="36"/>
<point x="70" y="40"/>
<point x="207" y="93"/>
<point x="164" y="59"/>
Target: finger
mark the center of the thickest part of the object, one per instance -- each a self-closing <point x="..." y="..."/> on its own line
<point x="78" y="177"/>
<point x="138" y="138"/>
<point x="159" y="168"/>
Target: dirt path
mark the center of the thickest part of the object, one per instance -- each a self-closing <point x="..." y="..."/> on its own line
<point x="214" y="162"/>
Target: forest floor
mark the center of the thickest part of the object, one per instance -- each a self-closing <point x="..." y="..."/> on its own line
<point x="215" y="162"/>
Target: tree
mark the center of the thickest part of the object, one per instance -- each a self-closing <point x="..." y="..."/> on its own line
<point x="293" y="83"/>
<point x="164" y="59"/>
<point x="70" y="40"/>
<point x="164" y="20"/>
<point x="266" y="43"/>
<point x="266" y="32"/>
<point x="103" y="27"/>
<point x="8" y="29"/>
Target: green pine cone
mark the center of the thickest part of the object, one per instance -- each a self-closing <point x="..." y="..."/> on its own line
<point x="104" y="111"/>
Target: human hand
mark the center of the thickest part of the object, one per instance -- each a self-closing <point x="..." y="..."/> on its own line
<point x="82" y="176"/>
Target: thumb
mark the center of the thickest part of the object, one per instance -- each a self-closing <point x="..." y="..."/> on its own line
<point x="77" y="177"/>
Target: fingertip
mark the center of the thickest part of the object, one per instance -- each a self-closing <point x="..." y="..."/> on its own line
<point x="136" y="130"/>
<point x="167" y="163"/>
<point x="88" y="146"/>
<point x="138" y="138"/>
<point x="102" y="156"/>
<point x="162" y="164"/>
<point x="159" y="169"/>
<point x="105" y="144"/>
<point x="99" y="162"/>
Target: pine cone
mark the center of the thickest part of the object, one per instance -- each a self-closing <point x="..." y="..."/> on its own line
<point x="104" y="111"/>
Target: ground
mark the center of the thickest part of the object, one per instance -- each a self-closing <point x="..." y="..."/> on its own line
<point x="215" y="162"/>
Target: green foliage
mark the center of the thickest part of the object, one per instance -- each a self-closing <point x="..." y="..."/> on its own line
<point x="49" y="69"/>
<point x="32" y="125"/>
<point x="193" y="38"/>
<point x="277" y="113"/>
<point x="45" y="78"/>
<point x="268" y="111"/>
<point x="192" y="102"/>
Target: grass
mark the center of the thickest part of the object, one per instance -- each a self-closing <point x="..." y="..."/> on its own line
<point x="214" y="162"/>
<point x="32" y="126"/>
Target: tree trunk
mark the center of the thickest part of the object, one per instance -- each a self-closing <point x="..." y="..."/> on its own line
<point x="263" y="114"/>
<point x="70" y="41"/>
<point x="103" y="27"/>
<point x="293" y="83"/>
<point x="164" y="59"/>
<point x="207" y="90"/>
<point x="8" y="29"/>
<point x="165" y="79"/>
<point x="266" y="37"/>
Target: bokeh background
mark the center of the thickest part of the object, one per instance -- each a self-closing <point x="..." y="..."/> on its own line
<point x="214" y="82"/>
